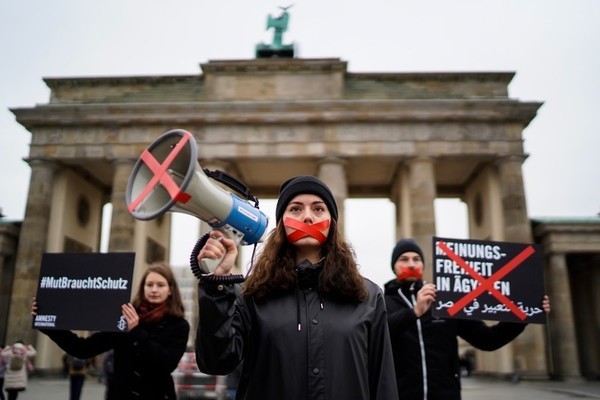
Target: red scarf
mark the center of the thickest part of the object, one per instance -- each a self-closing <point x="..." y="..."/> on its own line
<point x="151" y="313"/>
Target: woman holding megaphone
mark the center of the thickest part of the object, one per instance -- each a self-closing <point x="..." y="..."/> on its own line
<point x="304" y="322"/>
<point x="150" y="350"/>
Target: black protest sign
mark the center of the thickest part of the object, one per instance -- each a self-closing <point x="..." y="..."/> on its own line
<point x="84" y="291"/>
<point x="478" y="279"/>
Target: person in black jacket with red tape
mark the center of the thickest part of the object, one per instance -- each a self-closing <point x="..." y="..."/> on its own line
<point x="145" y="355"/>
<point x="425" y="348"/>
<point x="305" y="323"/>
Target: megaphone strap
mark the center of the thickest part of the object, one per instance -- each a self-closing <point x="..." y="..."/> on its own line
<point x="194" y="256"/>
<point x="222" y="279"/>
<point x="232" y="183"/>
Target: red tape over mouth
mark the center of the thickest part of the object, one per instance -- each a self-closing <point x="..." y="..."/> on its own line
<point x="304" y="230"/>
<point x="406" y="273"/>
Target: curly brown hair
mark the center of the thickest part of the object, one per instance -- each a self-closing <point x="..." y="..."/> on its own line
<point x="274" y="269"/>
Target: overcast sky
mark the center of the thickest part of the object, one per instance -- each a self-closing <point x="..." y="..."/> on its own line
<point x="552" y="46"/>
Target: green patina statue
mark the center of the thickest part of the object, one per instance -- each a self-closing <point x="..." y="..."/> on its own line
<point x="277" y="48"/>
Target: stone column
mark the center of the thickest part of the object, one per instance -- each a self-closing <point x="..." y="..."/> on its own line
<point x="32" y="245"/>
<point x="422" y="192"/>
<point x="122" y="223"/>
<point x="401" y="198"/>
<point x="517" y="228"/>
<point x="333" y="174"/>
<point x="9" y="239"/>
<point x="512" y="192"/>
<point x="593" y="326"/>
<point x="561" y="321"/>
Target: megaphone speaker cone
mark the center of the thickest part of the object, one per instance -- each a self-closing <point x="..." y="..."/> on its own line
<point x="168" y="177"/>
<point x="161" y="174"/>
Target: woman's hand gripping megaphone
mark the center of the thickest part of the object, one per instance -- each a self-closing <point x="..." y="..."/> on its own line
<point x="218" y="254"/>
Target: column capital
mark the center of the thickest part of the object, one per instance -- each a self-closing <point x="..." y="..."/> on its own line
<point x="556" y="253"/>
<point x="420" y="158"/>
<point x="333" y="160"/>
<point x="42" y="162"/>
<point x="123" y="160"/>
<point x="216" y="163"/>
<point x="509" y="158"/>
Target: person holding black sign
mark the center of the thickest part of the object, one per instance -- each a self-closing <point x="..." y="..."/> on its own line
<point x="150" y="350"/>
<point x="425" y="348"/>
<point x="305" y="323"/>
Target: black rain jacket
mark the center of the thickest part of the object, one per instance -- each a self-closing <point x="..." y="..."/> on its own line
<point x="297" y="345"/>
<point x="426" y="349"/>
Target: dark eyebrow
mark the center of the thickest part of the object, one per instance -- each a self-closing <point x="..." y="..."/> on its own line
<point x="312" y="204"/>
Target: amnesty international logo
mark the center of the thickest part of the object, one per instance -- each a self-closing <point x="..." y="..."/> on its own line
<point x="44" y="321"/>
<point x="122" y="324"/>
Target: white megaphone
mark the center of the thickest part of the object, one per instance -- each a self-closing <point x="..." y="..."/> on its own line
<point x="168" y="177"/>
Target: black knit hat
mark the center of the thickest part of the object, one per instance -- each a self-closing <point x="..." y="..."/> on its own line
<point x="403" y="246"/>
<point x="304" y="184"/>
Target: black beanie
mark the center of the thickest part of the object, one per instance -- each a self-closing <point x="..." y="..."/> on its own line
<point x="304" y="184"/>
<point x="402" y="247"/>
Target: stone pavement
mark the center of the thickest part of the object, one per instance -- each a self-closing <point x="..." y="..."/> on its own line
<point x="477" y="388"/>
<point x="39" y="388"/>
<point x="474" y="388"/>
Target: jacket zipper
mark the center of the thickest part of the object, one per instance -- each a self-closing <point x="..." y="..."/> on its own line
<point x="411" y="303"/>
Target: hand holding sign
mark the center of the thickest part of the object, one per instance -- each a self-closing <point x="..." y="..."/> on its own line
<point x="425" y="298"/>
<point x="131" y="316"/>
<point x="546" y="304"/>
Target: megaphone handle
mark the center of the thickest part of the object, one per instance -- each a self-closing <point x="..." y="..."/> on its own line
<point x="209" y="265"/>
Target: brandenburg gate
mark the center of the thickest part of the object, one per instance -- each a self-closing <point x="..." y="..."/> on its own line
<point x="409" y="137"/>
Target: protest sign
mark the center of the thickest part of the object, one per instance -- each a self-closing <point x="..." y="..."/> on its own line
<point x="478" y="279"/>
<point x="84" y="291"/>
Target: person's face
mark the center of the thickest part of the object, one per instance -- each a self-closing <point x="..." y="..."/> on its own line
<point x="156" y="288"/>
<point x="409" y="267"/>
<point x="309" y="209"/>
